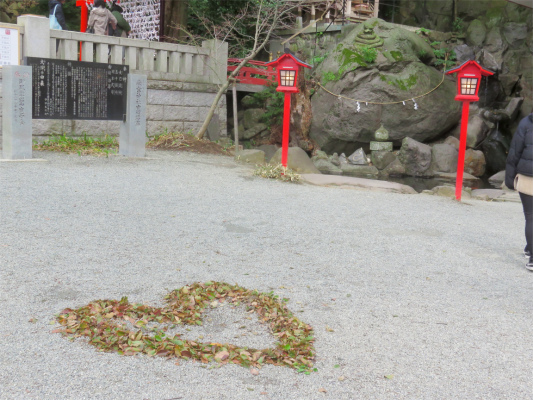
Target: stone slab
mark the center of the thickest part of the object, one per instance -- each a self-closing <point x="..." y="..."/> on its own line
<point x="381" y="146"/>
<point x="24" y="160"/>
<point x="359" y="183"/>
<point x="452" y="176"/>
<point x="132" y="141"/>
<point x="250" y="156"/>
<point x="16" y="114"/>
<point x="496" y="195"/>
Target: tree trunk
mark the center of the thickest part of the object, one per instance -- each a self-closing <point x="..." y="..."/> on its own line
<point x="175" y="16"/>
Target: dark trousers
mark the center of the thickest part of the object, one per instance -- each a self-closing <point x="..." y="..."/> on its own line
<point x="527" y="203"/>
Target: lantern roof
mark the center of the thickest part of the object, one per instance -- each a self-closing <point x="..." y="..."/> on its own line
<point x="288" y="54"/>
<point x="484" y="72"/>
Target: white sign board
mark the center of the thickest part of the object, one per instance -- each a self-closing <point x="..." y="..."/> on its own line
<point x="9" y="46"/>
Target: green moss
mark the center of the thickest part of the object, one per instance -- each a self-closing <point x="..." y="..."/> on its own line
<point x="397" y="55"/>
<point x="402" y="84"/>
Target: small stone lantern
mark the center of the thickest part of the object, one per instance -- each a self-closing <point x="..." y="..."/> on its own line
<point x="381" y="143"/>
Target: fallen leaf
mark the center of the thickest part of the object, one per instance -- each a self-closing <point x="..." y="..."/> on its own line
<point x="329" y="329"/>
<point x="389" y="376"/>
<point x="263" y="393"/>
<point x="222" y="355"/>
<point x="32" y="320"/>
<point x="322" y="390"/>
<point x="341" y="378"/>
<point x="254" y="371"/>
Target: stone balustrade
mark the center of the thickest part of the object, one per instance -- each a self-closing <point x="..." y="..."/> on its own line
<point x="182" y="79"/>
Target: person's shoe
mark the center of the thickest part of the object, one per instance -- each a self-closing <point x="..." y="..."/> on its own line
<point x="527" y="253"/>
<point x="529" y="265"/>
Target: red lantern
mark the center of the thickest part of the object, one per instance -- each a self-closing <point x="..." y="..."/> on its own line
<point x="288" y="67"/>
<point x="468" y="79"/>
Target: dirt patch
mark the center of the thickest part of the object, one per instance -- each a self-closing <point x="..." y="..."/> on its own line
<point x="184" y="142"/>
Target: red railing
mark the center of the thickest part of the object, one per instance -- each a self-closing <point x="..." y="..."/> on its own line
<point x="253" y="75"/>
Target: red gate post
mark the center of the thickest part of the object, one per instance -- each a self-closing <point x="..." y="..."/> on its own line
<point x="468" y="78"/>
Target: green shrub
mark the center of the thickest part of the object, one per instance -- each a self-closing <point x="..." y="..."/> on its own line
<point x="273" y="102"/>
<point x="277" y="172"/>
<point x="368" y="53"/>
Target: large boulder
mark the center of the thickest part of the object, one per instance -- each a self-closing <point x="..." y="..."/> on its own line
<point x="269" y="149"/>
<point x="477" y="130"/>
<point x="444" y="158"/>
<point x="515" y="34"/>
<point x="498" y="178"/>
<point x="341" y="125"/>
<point x="415" y="157"/>
<point x="394" y="169"/>
<point x="326" y="167"/>
<point x="297" y="159"/>
<point x="464" y="53"/>
<point x="474" y="162"/>
<point x="252" y="116"/>
<point x="476" y="33"/>
<point x="362" y="171"/>
<point x="494" y="42"/>
<point x="253" y="130"/>
<point x="495" y="149"/>
<point x="251" y="156"/>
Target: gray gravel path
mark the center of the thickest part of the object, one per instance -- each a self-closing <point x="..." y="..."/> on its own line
<point x="424" y="290"/>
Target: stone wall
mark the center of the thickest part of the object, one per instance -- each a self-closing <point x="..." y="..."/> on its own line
<point x="171" y="107"/>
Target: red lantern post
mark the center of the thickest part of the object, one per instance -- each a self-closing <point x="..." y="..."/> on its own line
<point x="468" y="79"/>
<point x="288" y="67"/>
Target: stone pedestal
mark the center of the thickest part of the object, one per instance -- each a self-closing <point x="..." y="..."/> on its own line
<point x="381" y="146"/>
<point x="132" y="142"/>
<point x="16" y="112"/>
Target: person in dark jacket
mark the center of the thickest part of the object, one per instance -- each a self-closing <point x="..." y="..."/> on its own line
<point x="520" y="164"/>
<point x="59" y="12"/>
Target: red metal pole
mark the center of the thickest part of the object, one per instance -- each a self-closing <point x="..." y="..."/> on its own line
<point x="286" y="123"/>
<point x="84" y="12"/>
<point x="462" y="150"/>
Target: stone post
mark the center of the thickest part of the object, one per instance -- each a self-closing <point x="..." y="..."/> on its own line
<point x="36" y="38"/>
<point x="217" y="63"/>
<point x="16" y="112"/>
<point x="132" y="141"/>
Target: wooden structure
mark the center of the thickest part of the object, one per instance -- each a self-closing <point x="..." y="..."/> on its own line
<point x="336" y="11"/>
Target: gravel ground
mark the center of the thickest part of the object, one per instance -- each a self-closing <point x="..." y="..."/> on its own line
<point x="410" y="296"/>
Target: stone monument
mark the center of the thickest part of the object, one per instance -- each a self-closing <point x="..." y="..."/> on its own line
<point x="132" y="140"/>
<point x="16" y="112"/>
<point x="381" y="143"/>
<point x="368" y="37"/>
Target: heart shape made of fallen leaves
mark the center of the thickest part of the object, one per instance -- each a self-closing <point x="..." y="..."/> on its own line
<point x="106" y="324"/>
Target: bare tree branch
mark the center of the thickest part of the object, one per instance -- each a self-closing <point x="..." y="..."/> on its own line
<point x="268" y="15"/>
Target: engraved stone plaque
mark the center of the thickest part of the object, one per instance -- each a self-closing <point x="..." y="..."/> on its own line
<point x="78" y="90"/>
<point x="16" y="112"/>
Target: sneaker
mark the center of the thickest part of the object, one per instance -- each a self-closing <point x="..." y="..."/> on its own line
<point x="529" y="265"/>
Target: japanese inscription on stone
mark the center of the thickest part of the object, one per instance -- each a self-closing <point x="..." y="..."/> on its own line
<point x="19" y="95"/>
<point x="78" y="90"/>
<point x="139" y="87"/>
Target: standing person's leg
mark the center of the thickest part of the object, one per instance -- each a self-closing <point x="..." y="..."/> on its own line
<point x="527" y="204"/>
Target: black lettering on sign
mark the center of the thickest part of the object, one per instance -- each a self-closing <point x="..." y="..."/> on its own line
<point x="64" y="89"/>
